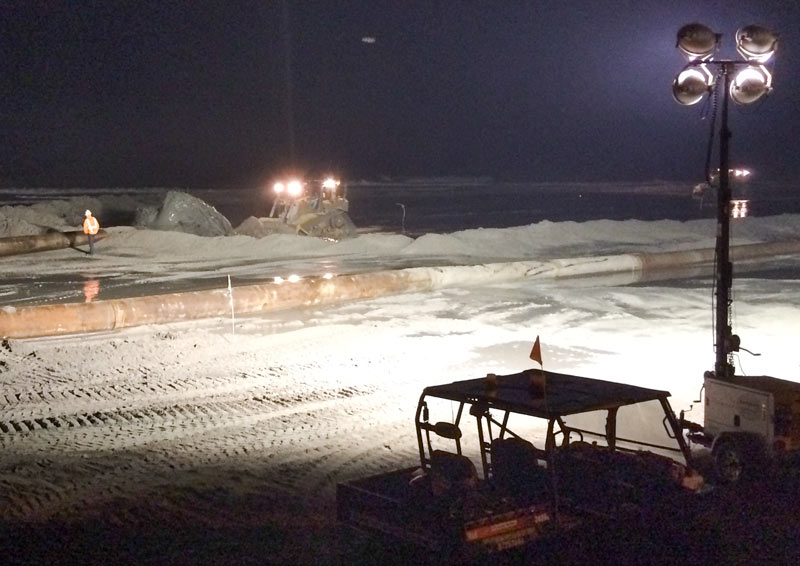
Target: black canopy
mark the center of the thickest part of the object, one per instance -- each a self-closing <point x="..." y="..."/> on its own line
<point x="544" y="394"/>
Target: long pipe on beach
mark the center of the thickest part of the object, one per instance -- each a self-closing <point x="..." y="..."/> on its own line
<point x="15" y="245"/>
<point x="114" y="314"/>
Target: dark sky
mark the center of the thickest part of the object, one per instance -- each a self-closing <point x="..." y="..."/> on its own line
<point x="196" y="93"/>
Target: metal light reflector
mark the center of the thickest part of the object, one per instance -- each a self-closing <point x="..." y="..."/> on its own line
<point x="750" y="84"/>
<point x="755" y="43"/>
<point x="697" y="41"/>
<point x="691" y="85"/>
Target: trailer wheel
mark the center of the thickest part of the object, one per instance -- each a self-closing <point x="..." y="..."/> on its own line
<point x="729" y="462"/>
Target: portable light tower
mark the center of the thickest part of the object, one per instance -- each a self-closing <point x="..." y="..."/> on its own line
<point x="745" y="81"/>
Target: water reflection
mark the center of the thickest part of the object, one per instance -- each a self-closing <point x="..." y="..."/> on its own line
<point x="739" y="208"/>
<point x="90" y="289"/>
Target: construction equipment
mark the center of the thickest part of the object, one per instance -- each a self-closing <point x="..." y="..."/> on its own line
<point x="577" y="456"/>
<point x="316" y="208"/>
<point x="749" y="421"/>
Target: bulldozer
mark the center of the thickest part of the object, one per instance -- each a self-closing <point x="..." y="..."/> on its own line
<point x="317" y="208"/>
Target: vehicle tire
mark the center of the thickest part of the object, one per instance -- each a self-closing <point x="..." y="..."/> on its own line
<point x="730" y="462"/>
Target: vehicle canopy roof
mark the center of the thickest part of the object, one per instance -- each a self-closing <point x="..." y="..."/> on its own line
<point x="556" y="395"/>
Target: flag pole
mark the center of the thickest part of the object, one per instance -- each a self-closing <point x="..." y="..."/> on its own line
<point x="538" y="385"/>
<point x="230" y="298"/>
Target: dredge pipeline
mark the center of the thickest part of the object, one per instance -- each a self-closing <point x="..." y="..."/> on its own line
<point x="43" y="242"/>
<point x="106" y="315"/>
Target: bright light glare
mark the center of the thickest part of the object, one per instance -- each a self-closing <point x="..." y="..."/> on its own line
<point x="330" y="183"/>
<point x="750" y="84"/>
<point x="277" y="280"/>
<point x="278" y="187"/>
<point x="739" y="208"/>
<point x="737" y="174"/>
<point x="294" y="188"/>
<point x="690" y="86"/>
<point x="328" y="276"/>
<point x="293" y="278"/>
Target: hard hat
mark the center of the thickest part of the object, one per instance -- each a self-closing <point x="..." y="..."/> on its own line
<point x="88" y="213"/>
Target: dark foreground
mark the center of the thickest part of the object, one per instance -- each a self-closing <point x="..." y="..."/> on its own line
<point x="755" y="523"/>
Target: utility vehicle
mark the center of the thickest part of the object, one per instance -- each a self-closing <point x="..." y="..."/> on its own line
<point x="518" y="462"/>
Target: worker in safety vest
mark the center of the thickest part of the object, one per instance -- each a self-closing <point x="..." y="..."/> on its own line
<point x="91" y="227"/>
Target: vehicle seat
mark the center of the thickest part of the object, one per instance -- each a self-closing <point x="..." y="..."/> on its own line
<point x="586" y="471"/>
<point x="515" y="467"/>
<point x="451" y="473"/>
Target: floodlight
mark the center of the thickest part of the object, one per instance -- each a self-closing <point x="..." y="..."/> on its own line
<point x="745" y="82"/>
<point x="756" y="43"/>
<point x="294" y="188"/>
<point x="736" y="174"/>
<point x="690" y="86"/>
<point x="278" y="187"/>
<point x="750" y="84"/>
<point x="330" y="183"/>
<point x="697" y="41"/>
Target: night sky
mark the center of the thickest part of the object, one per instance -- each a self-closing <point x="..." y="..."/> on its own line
<point x="216" y="94"/>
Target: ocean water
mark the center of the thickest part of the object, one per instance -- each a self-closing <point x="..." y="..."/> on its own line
<point x="429" y="207"/>
<point x="420" y="206"/>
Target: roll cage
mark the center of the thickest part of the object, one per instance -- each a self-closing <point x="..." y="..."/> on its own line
<point x="545" y="395"/>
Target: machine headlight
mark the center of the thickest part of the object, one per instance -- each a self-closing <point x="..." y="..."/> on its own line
<point x="330" y="184"/>
<point x="294" y="188"/>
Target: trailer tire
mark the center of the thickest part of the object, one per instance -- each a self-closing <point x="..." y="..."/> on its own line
<point x="735" y="459"/>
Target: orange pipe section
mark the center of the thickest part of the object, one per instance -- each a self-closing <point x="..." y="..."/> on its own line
<point x="48" y="320"/>
<point x="44" y="242"/>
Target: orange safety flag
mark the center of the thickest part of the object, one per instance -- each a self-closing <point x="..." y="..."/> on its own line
<point x="536" y="352"/>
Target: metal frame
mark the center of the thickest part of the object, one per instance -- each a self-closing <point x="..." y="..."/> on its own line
<point x="507" y="398"/>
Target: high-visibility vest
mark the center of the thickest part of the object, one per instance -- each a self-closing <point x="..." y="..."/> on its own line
<point x="91" y="225"/>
